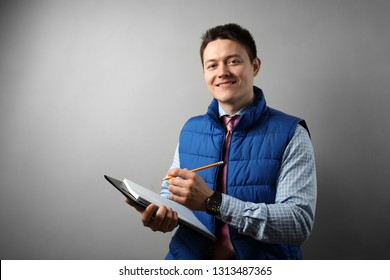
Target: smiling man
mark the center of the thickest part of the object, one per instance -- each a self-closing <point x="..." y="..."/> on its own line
<point x="261" y="203"/>
<point x="229" y="73"/>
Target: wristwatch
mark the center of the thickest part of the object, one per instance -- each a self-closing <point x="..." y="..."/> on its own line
<point x="213" y="204"/>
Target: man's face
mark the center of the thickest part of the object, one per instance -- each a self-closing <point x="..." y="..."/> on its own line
<point x="229" y="74"/>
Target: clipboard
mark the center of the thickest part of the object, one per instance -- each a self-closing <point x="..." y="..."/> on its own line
<point x="143" y="197"/>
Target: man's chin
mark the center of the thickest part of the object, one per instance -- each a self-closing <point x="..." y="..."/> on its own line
<point x="224" y="93"/>
<point x="224" y="99"/>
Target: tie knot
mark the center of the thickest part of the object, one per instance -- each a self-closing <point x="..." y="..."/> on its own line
<point x="230" y="122"/>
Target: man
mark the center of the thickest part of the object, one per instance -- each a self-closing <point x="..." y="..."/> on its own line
<point x="261" y="203"/>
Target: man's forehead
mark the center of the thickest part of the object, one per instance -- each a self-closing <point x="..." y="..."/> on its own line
<point x="223" y="48"/>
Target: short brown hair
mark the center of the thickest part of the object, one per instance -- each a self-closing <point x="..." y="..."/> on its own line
<point x="230" y="31"/>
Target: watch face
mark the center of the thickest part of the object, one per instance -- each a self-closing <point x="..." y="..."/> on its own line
<point x="214" y="207"/>
<point x="213" y="204"/>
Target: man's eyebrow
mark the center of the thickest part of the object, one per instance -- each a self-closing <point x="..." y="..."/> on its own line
<point x="225" y="58"/>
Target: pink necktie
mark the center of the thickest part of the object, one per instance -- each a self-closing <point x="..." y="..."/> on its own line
<point x="223" y="248"/>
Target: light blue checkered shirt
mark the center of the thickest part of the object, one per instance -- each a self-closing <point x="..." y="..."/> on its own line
<point x="291" y="218"/>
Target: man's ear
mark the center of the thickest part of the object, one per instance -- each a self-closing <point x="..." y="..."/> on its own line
<point x="256" y="66"/>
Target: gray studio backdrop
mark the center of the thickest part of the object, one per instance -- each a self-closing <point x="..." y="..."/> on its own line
<point x="89" y="88"/>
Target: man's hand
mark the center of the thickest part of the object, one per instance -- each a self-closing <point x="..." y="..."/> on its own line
<point x="188" y="189"/>
<point x="164" y="219"/>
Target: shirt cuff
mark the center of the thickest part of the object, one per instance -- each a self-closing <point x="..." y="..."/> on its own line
<point x="228" y="212"/>
<point x="247" y="217"/>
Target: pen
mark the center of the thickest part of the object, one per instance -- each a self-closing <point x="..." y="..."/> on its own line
<point x="197" y="169"/>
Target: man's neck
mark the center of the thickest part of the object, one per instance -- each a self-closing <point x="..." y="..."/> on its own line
<point x="233" y="110"/>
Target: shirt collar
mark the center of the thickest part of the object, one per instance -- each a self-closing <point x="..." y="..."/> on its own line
<point x="222" y="112"/>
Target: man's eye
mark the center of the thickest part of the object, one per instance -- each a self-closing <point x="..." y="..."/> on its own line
<point x="211" y="66"/>
<point x="234" y="61"/>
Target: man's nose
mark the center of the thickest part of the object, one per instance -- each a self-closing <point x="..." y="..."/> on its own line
<point x="223" y="71"/>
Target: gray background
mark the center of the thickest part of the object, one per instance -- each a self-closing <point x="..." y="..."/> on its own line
<point x="89" y="88"/>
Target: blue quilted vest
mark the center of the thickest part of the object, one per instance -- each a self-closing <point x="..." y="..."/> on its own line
<point x="257" y="145"/>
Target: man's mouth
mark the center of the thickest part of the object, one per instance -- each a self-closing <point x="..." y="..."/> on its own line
<point x="225" y="83"/>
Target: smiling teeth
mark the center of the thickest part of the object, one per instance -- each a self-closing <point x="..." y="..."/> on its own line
<point x="227" y="83"/>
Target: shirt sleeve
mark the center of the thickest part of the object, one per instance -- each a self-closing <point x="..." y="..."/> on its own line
<point x="291" y="218"/>
<point x="164" y="185"/>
